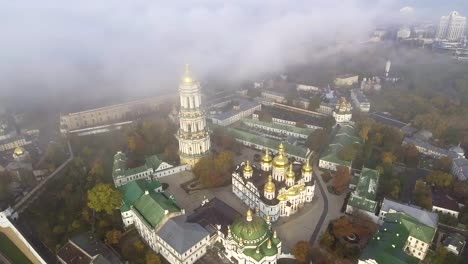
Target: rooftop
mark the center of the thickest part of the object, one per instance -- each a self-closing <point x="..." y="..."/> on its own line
<point x="387" y="119"/>
<point x="212" y="214"/>
<point x="456" y="240"/>
<point x="443" y="200"/>
<point x="181" y="235"/>
<point x="154" y="206"/>
<point x="290" y="114"/>
<point x="294" y="129"/>
<point x="243" y="106"/>
<point x="345" y="136"/>
<point x="366" y="191"/>
<point x="425" y="217"/>
<point x="387" y="246"/>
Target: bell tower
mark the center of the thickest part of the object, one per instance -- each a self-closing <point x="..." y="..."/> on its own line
<point x="193" y="135"/>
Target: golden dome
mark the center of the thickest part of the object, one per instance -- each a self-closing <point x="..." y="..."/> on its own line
<point x="290" y="174"/>
<point x="19" y="151"/>
<point x="247" y="167"/>
<point x="249" y="213"/>
<point x="281" y="160"/>
<point x="306" y="167"/>
<point x="187" y="78"/>
<point x="267" y="158"/>
<point x="270" y="185"/>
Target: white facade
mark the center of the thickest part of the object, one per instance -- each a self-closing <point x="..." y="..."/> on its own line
<point x="346" y="80"/>
<point x="442" y="210"/>
<point x="359" y="100"/>
<point x="460" y="168"/>
<point x="416" y="247"/>
<point x="13" y="143"/>
<point x="235" y="117"/>
<point x="452" y="27"/>
<point x="193" y="134"/>
<point x="277" y="97"/>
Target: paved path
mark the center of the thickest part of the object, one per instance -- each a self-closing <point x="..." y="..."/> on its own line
<point x="318" y="227"/>
<point x="25" y="201"/>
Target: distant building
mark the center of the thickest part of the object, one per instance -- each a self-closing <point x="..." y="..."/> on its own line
<point x="14" y="142"/>
<point x="460" y="168"/>
<point x="342" y="112"/>
<point x="404" y="32"/>
<point x="443" y="203"/>
<point x="152" y="169"/>
<point x="426" y="148"/>
<point x="162" y="223"/>
<point x="287" y="130"/>
<point x="402" y="238"/>
<point x="109" y="114"/>
<point x="359" y="100"/>
<point x="345" y="135"/>
<point x="307" y="88"/>
<point x="275" y="96"/>
<point x="240" y="109"/>
<point x="455" y="243"/>
<point x="85" y="248"/>
<point x="364" y="197"/>
<point x="451" y="27"/>
<point x="425" y="217"/>
<point x="288" y="115"/>
<point x="368" y="84"/>
<point x="346" y="80"/>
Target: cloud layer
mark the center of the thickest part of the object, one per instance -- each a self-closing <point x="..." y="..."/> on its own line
<point x="52" y="47"/>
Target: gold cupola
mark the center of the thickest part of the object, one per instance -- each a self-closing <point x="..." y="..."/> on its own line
<point x="281" y="161"/>
<point x="248" y="168"/>
<point x="290" y="174"/>
<point x="270" y="185"/>
<point x="249" y="215"/>
<point x="267" y="158"/>
<point x="307" y="168"/>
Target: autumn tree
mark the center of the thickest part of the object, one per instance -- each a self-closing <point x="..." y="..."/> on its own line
<point x="171" y="153"/>
<point x="364" y="131"/>
<point x="152" y="258"/>
<point x="341" y="180"/>
<point x="388" y="158"/>
<point x="342" y="227"/>
<point x="104" y="198"/>
<point x="410" y="155"/>
<point x="440" y="179"/>
<point x="214" y="171"/>
<point x="423" y="195"/>
<point x="139" y="246"/>
<point x="301" y="252"/>
<point x="444" y="164"/>
<point x="113" y="237"/>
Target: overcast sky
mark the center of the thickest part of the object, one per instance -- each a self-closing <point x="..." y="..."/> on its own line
<point x="136" y="46"/>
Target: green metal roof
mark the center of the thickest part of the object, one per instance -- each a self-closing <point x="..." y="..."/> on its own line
<point x="132" y="191"/>
<point x="152" y="207"/>
<point x="344" y="136"/>
<point x="387" y="246"/>
<point x="263" y="251"/>
<point x="266" y="142"/>
<point x="366" y="191"/>
<point x="295" y="129"/>
<point x="257" y="228"/>
<point x="120" y="165"/>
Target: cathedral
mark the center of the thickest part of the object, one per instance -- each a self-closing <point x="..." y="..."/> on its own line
<point x="193" y="134"/>
<point x="278" y="188"/>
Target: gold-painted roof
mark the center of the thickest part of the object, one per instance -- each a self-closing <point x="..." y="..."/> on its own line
<point x="249" y="213"/>
<point x="248" y="167"/>
<point x="19" y="151"/>
<point x="290" y="174"/>
<point x="267" y="158"/>
<point x="281" y="160"/>
<point x="293" y="191"/>
<point x="187" y="78"/>
<point x="270" y="185"/>
<point x="307" y="167"/>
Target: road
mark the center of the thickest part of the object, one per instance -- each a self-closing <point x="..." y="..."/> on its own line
<point x="324" y="214"/>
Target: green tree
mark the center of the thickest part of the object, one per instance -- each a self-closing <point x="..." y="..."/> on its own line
<point x="302" y="252"/>
<point x="104" y="198"/>
<point x="410" y="155"/>
<point x="316" y="139"/>
<point x="348" y="152"/>
<point x="314" y="103"/>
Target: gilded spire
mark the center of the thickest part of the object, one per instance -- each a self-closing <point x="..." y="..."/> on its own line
<point x="187" y="78"/>
<point x="274" y="234"/>
<point x="270" y="185"/>
<point x="248" y="167"/>
<point x="249" y="215"/>
<point x="290" y="174"/>
<point x="267" y="158"/>
<point x="307" y="167"/>
<point x="269" y="244"/>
